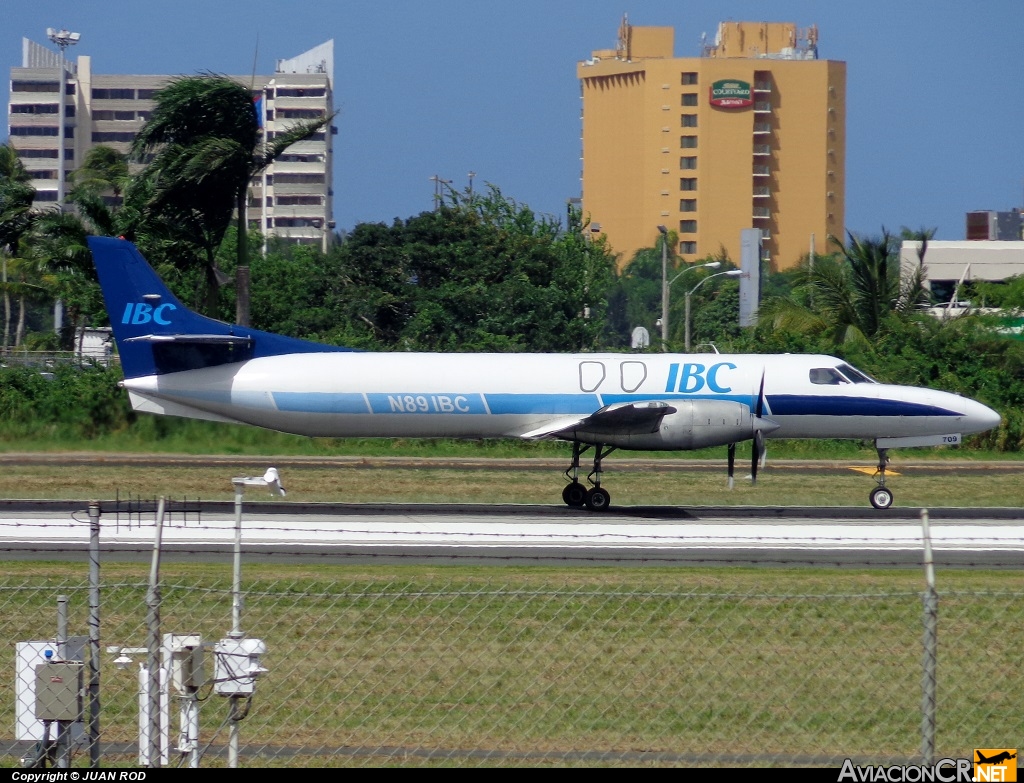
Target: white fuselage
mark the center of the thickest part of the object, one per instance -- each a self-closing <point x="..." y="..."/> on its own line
<point x="508" y="395"/>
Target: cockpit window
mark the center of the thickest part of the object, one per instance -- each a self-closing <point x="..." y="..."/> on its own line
<point x="855" y="375"/>
<point x="827" y="376"/>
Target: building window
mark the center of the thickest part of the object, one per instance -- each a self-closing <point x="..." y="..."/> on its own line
<point x="688" y="248"/>
<point x="688" y="183"/>
<point x="50" y="174"/>
<point x="687" y="226"/>
<point x="34" y="130"/>
<point x="689" y="77"/>
<point x="24" y="86"/>
<point x="146" y="95"/>
<point x="102" y="94"/>
<point x="37" y="153"/>
<point x="282" y="178"/>
<point x="104" y="136"/>
<point x="688" y="163"/>
<point x="46" y="195"/>
<point x="299" y="201"/>
<point x="299" y="222"/>
<point x="689" y="121"/>
<point x="299" y="114"/>
<point x="35" y="108"/>
<point x="687" y="205"/>
<point x="688" y="142"/>
<point x="689" y="99"/>
<point x="307" y="92"/>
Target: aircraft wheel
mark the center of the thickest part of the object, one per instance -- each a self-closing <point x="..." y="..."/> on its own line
<point x="880" y="497"/>
<point x="574" y="495"/>
<point x="598" y="499"/>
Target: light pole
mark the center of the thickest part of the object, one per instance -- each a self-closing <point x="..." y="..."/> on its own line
<point x="63" y="39"/>
<point x="666" y="285"/>
<point x="728" y="272"/>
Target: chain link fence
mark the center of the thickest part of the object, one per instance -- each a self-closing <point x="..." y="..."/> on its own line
<point x="548" y="666"/>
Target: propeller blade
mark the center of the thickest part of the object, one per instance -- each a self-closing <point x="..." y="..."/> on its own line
<point x="732" y="463"/>
<point x="759" y="408"/>
<point x="757" y="450"/>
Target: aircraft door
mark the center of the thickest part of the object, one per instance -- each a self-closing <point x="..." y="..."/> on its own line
<point x="632" y="375"/>
<point x="592" y="375"/>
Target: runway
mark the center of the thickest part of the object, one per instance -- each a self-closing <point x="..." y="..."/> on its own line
<point x="474" y="534"/>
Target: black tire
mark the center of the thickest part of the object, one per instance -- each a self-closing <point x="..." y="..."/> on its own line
<point x="598" y="499"/>
<point x="881" y="497"/>
<point x="574" y="495"/>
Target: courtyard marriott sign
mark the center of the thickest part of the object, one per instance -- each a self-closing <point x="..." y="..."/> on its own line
<point x="731" y="94"/>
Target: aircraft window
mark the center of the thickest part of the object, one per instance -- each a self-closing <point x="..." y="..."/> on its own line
<point x="633" y="375"/>
<point x="591" y="376"/>
<point x="827" y="376"/>
<point x="855" y="375"/>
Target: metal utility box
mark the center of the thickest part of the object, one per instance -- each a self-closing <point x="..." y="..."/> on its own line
<point x="237" y="665"/>
<point x="59" y="691"/>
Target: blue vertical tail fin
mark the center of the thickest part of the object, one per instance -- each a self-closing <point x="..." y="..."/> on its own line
<point x="156" y="334"/>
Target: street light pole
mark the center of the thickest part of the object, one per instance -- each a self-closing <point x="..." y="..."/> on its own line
<point x="664" y="287"/>
<point x="63" y="39"/>
<point x="729" y="273"/>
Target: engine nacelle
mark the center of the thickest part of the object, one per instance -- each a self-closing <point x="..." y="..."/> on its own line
<point x="696" y="424"/>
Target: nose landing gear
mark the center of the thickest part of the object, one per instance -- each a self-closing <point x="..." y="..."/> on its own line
<point x="881" y="496"/>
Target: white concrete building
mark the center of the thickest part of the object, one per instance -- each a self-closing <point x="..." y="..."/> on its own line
<point x="293" y="199"/>
<point x="949" y="263"/>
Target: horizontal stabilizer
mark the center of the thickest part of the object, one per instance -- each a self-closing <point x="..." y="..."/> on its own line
<point x="202" y="339"/>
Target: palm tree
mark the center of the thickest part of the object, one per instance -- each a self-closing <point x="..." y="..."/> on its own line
<point x="206" y="137"/>
<point x="104" y="170"/>
<point x="850" y="295"/>
<point x="16" y="216"/>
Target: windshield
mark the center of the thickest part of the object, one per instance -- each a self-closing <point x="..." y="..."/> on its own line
<point x="834" y="376"/>
<point x="855" y="375"/>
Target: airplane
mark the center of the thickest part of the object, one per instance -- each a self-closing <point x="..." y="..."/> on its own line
<point x="179" y="363"/>
<point x="999" y="758"/>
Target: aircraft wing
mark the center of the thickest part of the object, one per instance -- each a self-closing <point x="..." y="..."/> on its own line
<point x="621" y="418"/>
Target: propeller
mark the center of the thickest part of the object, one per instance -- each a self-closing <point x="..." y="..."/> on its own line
<point x="758" y="450"/>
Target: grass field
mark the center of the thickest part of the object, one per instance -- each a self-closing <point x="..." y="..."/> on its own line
<point x="567" y="666"/>
<point x="518" y="481"/>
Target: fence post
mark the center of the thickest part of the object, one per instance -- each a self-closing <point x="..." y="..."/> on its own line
<point x="94" y="634"/>
<point x="931" y="622"/>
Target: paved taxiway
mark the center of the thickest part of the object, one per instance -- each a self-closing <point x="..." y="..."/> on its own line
<point x="510" y="534"/>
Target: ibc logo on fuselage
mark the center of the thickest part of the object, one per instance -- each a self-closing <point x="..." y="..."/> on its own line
<point x="138" y="313"/>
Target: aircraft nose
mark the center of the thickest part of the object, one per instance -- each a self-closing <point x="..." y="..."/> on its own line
<point x="978" y="417"/>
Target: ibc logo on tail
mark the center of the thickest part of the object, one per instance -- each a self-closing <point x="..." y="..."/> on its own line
<point x="138" y="313"/>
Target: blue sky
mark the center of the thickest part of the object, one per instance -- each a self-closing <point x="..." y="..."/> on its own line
<point x="443" y="87"/>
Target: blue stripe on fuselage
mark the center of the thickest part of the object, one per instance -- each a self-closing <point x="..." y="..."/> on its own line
<point x="542" y="403"/>
<point x="812" y="405"/>
<point x="320" y="402"/>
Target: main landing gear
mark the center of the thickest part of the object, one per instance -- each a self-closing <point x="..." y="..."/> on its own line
<point x="575" y="494"/>
<point x="881" y="496"/>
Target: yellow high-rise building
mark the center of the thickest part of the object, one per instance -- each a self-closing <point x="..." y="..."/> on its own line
<point x="752" y="134"/>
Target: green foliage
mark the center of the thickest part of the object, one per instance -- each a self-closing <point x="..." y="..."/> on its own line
<point x="479" y="273"/>
<point x="67" y="400"/>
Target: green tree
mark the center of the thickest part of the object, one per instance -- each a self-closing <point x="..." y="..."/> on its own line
<point x="16" y="216"/>
<point x="479" y="273"/>
<point x="205" y="136"/>
<point x="104" y="172"/>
